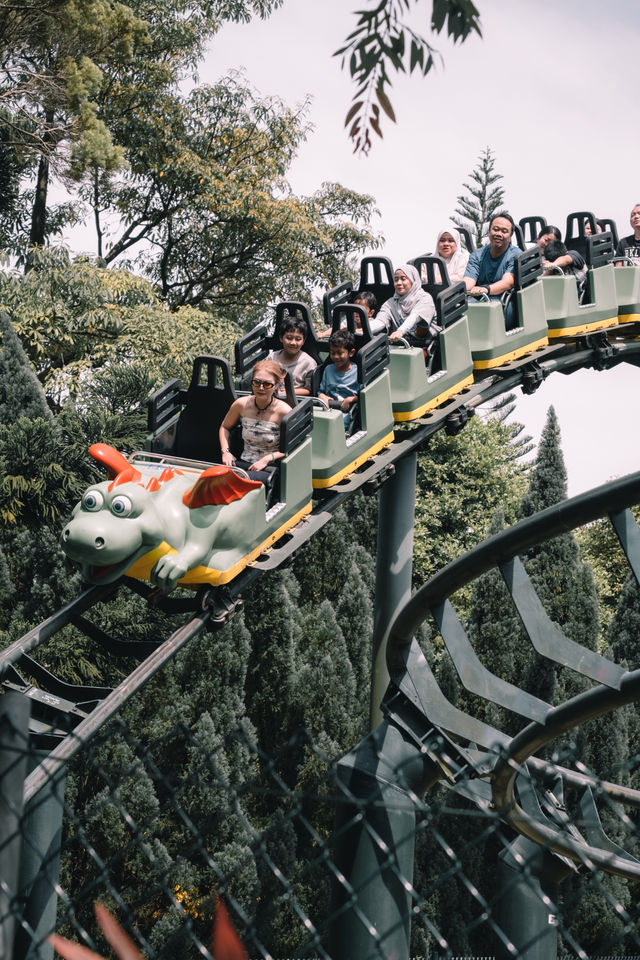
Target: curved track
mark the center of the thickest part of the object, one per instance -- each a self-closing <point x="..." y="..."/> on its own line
<point x="66" y="716"/>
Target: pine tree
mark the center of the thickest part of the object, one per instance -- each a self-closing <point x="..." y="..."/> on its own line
<point x="20" y="392"/>
<point x="483" y="198"/>
<point x="274" y="619"/>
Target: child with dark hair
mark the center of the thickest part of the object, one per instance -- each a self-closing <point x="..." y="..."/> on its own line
<point x="366" y="299"/>
<point x="339" y="386"/>
<point x="292" y="358"/>
<point x="557" y="255"/>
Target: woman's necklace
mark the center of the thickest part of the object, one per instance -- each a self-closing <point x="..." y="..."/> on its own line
<point x="262" y="409"/>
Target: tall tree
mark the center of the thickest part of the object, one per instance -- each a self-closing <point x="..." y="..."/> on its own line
<point x="204" y="204"/>
<point x="483" y="198"/>
<point x="57" y="58"/>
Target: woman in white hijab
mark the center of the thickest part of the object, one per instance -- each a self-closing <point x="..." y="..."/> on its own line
<point x="449" y="248"/>
<point x="409" y="307"/>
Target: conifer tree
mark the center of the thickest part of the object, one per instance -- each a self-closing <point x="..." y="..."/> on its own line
<point x="484" y="197"/>
<point x="20" y="392"/>
<point x="274" y="619"/>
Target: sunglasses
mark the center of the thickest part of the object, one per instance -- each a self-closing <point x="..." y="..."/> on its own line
<point x="262" y="383"/>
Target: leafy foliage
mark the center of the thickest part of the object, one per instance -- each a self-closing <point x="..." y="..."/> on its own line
<point x="382" y="41"/>
<point x="75" y="317"/>
<point x="462" y="480"/>
<point x="205" y="206"/>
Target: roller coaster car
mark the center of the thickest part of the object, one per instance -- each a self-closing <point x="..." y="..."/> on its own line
<point x="627" y="280"/>
<point x="570" y="312"/>
<point x="174" y="514"/>
<point x="336" y="454"/>
<point x="416" y="389"/>
<point x="500" y="333"/>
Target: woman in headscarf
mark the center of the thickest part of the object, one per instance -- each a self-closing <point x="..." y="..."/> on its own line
<point x="449" y="248"/>
<point x="408" y="308"/>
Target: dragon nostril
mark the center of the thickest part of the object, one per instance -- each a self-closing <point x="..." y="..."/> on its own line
<point x="65" y="534"/>
<point x="99" y="542"/>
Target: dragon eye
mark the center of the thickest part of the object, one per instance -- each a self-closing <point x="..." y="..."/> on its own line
<point x="121" y="506"/>
<point x="92" y="500"/>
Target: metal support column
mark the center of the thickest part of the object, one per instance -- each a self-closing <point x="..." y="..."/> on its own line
<point x="40" y="865"/>
<point x="379" y="780"/>
<point x="394" y="563"/>
<point x="374" y="845"/>
<point x="529" y="878"/>
<point x="14" y="743"/>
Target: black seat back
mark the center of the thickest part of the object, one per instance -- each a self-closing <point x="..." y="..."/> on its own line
<point x="203" y="407"/>
<point x="451" y="304"/>
<point x="376" y="275"/>
<point x="527" y="268"/>
<point x="433" y="273"/>
<point x="518" y="237"/>
<point x="297" y="425"/>
<point x="609" y="226"/>
<point x="575" y="235"/>
<point x="531" y="227"/>
<point x="343" y="293"/>
<point x="467" y="239"/>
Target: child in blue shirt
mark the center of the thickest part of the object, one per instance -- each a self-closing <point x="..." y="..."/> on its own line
<point x="339" y="386"/>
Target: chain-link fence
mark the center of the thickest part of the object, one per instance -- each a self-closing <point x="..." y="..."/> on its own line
<point x="158" y="830"/>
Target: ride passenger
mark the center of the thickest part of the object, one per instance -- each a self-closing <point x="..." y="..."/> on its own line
<point x="260" y="416"/>
<point x="449" y="248"/>
<point x="408" y="308"/>
<point x="490" y="268"/>
<point x="571" y="261"/>
<point x="629" y="247"/>
<point x="366" y="299"/>
<point x="292" y="358"/>
<point x="339" y="387"/>
<point x="557" y="255"/>
<point x="587" y="228"/>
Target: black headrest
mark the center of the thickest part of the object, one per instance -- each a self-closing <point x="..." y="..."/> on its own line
<point x="575" y="235"/>
<point x="451" y="304"/>
<point x="346" y="314"/>
<point x="376" y="275"/>
<point x="433" y="273"/>
<point x="469" y="242"/>
<point x="599" y="250"/>
<point x="527" y="267"/>
<point x="531" y="227"/>
<point x="340" y="294"/>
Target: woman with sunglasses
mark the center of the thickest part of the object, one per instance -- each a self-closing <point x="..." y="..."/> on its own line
<point x="260" y="415"/>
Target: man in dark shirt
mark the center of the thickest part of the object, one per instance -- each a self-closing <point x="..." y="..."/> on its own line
<point x="629" y="247"/>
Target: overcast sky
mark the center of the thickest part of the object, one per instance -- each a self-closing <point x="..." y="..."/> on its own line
<point x="551" y="87"/>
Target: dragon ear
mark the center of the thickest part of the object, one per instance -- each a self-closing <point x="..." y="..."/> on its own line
<point x="218" y="485"/>
<point x="114" y="461"/>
